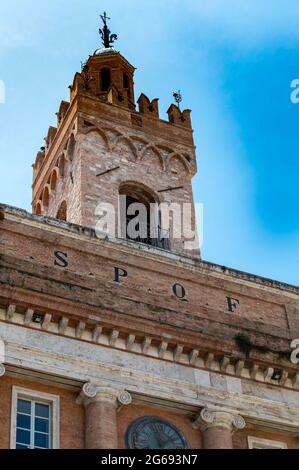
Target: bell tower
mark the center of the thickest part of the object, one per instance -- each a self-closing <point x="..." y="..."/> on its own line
<point x="104" y="147"/>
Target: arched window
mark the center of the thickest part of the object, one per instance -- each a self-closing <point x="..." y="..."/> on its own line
<point x="139" y="216"/>
<point x="62" y="211"/>
<point x="54" y="180"/>
<point x="61" y="165"/>
<point x="105" y="79"/>
<point x="38" y="209"/>
<point x="46" y="197"/>
<point x="126" y="83"/>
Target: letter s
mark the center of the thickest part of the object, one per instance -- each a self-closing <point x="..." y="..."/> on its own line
<point x="62" y="259"/>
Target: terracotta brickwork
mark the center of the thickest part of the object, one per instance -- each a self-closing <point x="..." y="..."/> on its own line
<point x="97" y="134"/>
<point x="72" y="430"/>
<point x="240" y="439"/>
<point x="207" y="296"/>
<point x="72" y="427"/>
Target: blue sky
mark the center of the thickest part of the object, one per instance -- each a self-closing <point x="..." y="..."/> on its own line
<point x="233" y="61"/>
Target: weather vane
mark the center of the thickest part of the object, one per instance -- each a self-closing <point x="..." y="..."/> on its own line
<point x="107" y="38"/>
<point x="178" y="97"/>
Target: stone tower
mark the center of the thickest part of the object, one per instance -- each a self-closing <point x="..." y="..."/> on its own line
<point x="104" y="147"/>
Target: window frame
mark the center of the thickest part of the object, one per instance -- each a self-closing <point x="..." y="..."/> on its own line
<point x="265" y="443"/>
<point x="33" y="395"/>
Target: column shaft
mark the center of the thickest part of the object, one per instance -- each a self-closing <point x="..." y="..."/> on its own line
<point x="100" y="425"/>
<point x="217" y="437"/>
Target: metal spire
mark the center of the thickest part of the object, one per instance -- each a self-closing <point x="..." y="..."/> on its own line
<point x="107" y="38"/>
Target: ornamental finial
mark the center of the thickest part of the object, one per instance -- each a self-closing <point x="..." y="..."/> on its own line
<point x="107" y="38"/>
<point x="178" y="97"/>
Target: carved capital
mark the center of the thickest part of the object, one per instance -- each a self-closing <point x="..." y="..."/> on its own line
<point x="124" y="398"/>
<point x="89" y="390"/>
<point x="92" y="392"/>
<point x="208" y="418"/>
<point x="2" y="370"/>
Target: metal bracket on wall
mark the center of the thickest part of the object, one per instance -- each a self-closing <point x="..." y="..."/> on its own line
<point x="108" y="171"/>
<point x="170" y="189"/>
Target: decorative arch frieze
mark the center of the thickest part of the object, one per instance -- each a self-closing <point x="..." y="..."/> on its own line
<point x="181" y="162"/>
<point x="151" y="152"/>
<point x="46" y="196"/>
<point x="126" y="141"/>
<point x="38" y="208"/>
<point x="70" y="148"/>
<point x="101" y="134"/>
<point x="54" y="179"/>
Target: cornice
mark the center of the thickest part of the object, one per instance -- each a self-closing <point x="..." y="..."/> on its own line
<point x="99" y="333"/>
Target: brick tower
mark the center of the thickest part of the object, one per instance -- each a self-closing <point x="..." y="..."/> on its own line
<point x="103" y="147"/>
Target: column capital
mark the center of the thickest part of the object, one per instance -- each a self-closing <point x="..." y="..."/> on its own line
<point x="92" y="392"/>
<point x="2" y="370"/>
<point x="209" y="418"/>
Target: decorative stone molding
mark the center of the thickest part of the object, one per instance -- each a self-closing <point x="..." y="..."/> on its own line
<point x="216" y="418"/>
<point x="91" y="392"/>
<point x="2" y="370"/>
<point x="124" y="398"/>
<point x="174" y="352"/>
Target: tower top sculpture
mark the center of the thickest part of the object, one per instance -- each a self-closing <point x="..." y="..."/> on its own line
<point x="107" y="38"/>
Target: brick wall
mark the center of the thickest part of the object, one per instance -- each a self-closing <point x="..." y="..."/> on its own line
<point x="71" y="414"/>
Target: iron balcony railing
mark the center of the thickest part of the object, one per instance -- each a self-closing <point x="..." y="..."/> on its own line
<point x="161" y="240"/>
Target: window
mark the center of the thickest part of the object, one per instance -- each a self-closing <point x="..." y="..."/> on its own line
<point x="38" y="209"/>
<point x="126" y="83"/>
<point x="34" y="420"/>
<point x="62" y="211"/>
<point x="46" y="197"/>
<point x="53" y="180"/>
<point x="136" y="225"/>
<point x="258" y="443"/>
<point x="105" y="79"/>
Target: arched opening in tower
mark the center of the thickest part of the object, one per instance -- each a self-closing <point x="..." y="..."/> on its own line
<point x="62" y="211"/>
<point x="140" y="216"/>
<point x="105" y="79"/>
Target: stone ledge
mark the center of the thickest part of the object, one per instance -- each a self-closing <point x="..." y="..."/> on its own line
<point x="157" y="348"/>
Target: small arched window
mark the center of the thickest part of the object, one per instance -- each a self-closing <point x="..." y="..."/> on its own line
<point x="61" y="165"/>
<point x="54" y="180"/>
<point x="62" y="211"/>
<point x="141" y="223"/>
<point x="46" y="197"/>
<point x="105" y="79"/>
<point x="38" y="208"/>
<point x="126" y="83"/>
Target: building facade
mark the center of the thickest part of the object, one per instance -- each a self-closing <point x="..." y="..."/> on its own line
<point x="107" y="341"/>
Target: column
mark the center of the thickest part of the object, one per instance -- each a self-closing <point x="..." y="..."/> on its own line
<point x="101" y="404"/>
<point x="2" y="357"/>
<point x="218" y="427"/>
<point x="2" y="369"/>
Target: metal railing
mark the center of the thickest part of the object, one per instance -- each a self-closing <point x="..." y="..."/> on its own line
<point x="161" y="239"/>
